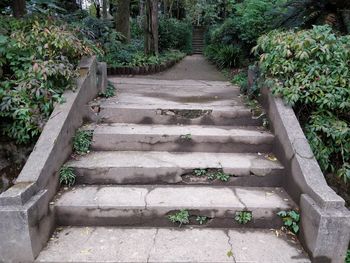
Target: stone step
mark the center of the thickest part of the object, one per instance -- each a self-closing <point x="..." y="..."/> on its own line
<point x="158" y="111"/>
<point x="173" y="88"/>
<point x="140" y="167"/>
<point x="175" y="138"/>
<point x="141" y="205"/>
<point x="125" y="245"/>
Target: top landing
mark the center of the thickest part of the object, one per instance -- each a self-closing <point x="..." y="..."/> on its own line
<point x="194" y="67"/>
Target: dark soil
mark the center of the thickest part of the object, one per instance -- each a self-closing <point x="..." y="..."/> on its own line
<point x="339" y="187"/>
<point x="12" y="159"/>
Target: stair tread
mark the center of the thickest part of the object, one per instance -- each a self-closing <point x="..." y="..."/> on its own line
<point x="112" y="244"/>
<point x="176" y="197"/>
<point x="139" y="159"/>
<point x="178" y="130"/>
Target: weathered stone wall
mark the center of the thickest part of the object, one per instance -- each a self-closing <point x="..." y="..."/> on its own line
<point x="26" y="221"/>
<point x="325" y="222"/>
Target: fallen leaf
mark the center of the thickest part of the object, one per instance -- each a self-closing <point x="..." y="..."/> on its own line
<point x="230" y="253"/>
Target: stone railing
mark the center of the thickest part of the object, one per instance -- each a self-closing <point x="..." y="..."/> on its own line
<point x="325" y="222"/>
<point x="26" y="220"/>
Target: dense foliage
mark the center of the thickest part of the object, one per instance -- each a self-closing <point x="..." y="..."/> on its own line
<point x="38" y="59"/>
<point x="228" y="43"/>
<point x="310" y="70"/>
<point x="175" y="34"/>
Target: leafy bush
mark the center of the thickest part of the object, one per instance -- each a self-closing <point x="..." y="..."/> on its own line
<point x="310" y="70"/>
<point x="305" y="13"/>
<point x="225" y="33"/>
<point x="38" y="63"/>
<point x="138" y="58"/>
<point x="224" y="56"/>
<point x="175" y="34"/>
<point x="252" y="18"/>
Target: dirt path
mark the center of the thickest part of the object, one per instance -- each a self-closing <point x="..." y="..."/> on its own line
<point x="194" y="67"/>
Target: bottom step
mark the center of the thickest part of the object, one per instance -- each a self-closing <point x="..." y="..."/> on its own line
<point x="108" y="244"/>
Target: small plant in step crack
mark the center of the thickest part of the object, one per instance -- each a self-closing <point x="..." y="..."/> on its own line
<point x="110" y="91"/>
<point x="67" y="176"/>
<point x="200" y="172"/>
<point x="290" y="220"/>
<point x="224" y="177"/>
<point x="266" y="123"/>
<point x="243" y="217"/>
<point x="186" y="137"/>
<point x="182" y="217"/>
<point x="201" y="219"/>
<point x="219" y="175"/>
<point x="82" y="141"/>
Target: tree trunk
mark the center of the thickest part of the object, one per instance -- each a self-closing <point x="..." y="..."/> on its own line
<point x="123" y="19"/>
<point x="151" y="27"/>
<point x="142" y="8"/>
<point x="171" y="8"/>
<point x="98" y="10"/>
<point x="104" y="9"/>
<point x="19" y="8"/>
<point x="178" y="9"/>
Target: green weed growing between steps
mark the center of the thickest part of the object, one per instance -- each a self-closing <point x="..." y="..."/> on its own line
<point x="244" y="217"/>
<point x="212" y="174"/>
<point x="110" y="91"/>
<point x="201" y="219"/>
<point x="82" y="141"/>
<point x="182" y="217"/>
<point x="67" y="176"/>
<point x="290" y="220"/>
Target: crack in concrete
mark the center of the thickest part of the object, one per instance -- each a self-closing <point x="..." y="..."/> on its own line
<point x="308" y="155"/>
<point x="239" y="198"/>
<point x="229" y="241"/>
<point x="145" y="199"/>
<point x="153" y="245"/>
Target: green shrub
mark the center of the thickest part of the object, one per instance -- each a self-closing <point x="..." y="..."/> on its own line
<point x="310" y="70"/>
<point x="225" y="33"/>
<point x="252" y="18"/>
<point x="224" y="56"/>
<point x="38" y="61"/>
<point x="175" y="34"/>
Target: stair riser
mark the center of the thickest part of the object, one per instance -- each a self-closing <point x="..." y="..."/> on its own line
<point x="151" y="116"/>
<point x="173" y="175"/>
<point x="109" y="216"/>
<point x="173" y="143"/>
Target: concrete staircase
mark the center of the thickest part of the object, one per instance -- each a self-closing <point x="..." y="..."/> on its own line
<point x="198" y="40"/>
<point x="146" y="146"/>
